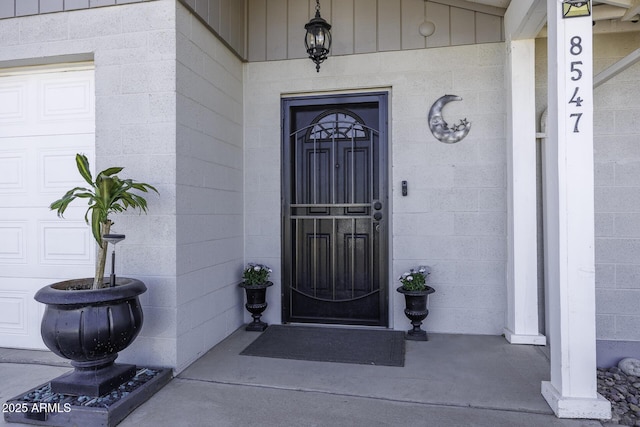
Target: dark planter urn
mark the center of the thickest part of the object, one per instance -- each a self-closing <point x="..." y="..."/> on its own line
<point x="256" y="304"/>
<point x="90" y="327"/>
<point x="416" y="311"/>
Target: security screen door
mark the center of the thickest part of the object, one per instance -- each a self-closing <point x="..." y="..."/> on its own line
<point x="335" y="209"/>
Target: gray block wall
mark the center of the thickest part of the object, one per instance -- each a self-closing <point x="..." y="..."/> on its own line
<point x="209" y="186"/>
<point x="617" y="194"/>
<point x="135" y="127"/>
<point x="168" y="109"/>
<point x="454" y="218"/>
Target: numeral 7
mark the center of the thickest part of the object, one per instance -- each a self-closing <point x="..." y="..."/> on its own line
<point x="578" y="116"/>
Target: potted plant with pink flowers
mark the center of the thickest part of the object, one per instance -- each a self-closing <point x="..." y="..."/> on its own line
<point x="255" y="283"/>
<point x="416" y="293"/>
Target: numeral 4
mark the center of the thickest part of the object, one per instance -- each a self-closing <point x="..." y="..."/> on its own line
<point x="575" y="99"/>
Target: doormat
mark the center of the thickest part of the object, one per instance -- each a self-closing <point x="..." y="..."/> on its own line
<point x="360" y="346"/>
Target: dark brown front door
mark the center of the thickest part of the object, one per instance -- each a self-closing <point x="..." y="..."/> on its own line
<point x="335" y="209"/>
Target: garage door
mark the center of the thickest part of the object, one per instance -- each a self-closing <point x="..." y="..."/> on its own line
<point x="46" y="117"/>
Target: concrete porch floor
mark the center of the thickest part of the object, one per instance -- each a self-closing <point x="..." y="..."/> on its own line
<point x="451" y="380"/>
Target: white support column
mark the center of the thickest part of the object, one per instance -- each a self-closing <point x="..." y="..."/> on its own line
<point x="569" y="220"/>
<point x="522" y="264"/>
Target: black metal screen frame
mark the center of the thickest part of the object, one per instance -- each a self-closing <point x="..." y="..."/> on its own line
<point x="288" y="105"/>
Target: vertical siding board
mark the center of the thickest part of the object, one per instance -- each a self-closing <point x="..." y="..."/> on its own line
<point x="276" y="29"/>
<point x="389" y="25"/>
<point x="393" y="24"/>
<point x="413" y="12"/>
<point x="243" y="30"/>
<point x="26" y="7"/>
<point x="224" y="19"/>
<point x="298" y="16"/>
<point x="236" y="38"/>
<point x="7" y="9"/>
<point x="47" y="6"/>
<point x="439" y="15"/>
<point x="214" y="15"/>
<point x="257" y="30"/>
<point x="100" y="3"/>
<point x="365" y="26"/>
<point x="202" y="9"/>
<point x="76" y="4"/>
<point x="488" y="28"/>
<point x="463" y="25"/>
<point x="342" y="27"/>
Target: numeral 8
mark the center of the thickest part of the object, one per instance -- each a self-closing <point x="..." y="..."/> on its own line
<point x="576" y="45"/>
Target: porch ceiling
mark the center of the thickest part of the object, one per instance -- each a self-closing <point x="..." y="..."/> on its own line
<point x="623" y="10"/>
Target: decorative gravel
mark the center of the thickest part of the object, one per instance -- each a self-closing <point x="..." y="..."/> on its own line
<point x="623" y="391"/>
<point x="43" y="394"/>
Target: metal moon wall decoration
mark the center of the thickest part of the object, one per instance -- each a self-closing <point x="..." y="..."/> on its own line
<point x="440" y="129"/>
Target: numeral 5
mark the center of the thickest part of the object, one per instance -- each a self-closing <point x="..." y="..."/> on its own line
<point x="575" y="69"/>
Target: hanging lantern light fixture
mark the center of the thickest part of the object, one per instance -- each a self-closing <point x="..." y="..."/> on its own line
<point x="318" y="38"/>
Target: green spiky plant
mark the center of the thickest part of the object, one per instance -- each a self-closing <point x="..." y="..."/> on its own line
<point x="107" y="194"/>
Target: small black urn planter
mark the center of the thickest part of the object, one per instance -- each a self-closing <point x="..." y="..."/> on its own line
<point x="416" y="310"/>
<point x="89" y="327"/>
<point x="256" y="304"/>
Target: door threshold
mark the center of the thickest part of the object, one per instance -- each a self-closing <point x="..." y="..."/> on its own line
<point x="339" y="326"/>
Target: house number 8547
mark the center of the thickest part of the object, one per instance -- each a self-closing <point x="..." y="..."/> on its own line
<point x="575" y="49"/>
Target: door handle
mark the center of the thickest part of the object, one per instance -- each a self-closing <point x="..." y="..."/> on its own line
<point x="377" y="216"/>
<point x="377" y="206"/>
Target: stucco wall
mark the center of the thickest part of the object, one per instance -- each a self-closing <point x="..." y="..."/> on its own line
<point x="133" y="50"/>
<point x="617" y="186"/>
<point x="209" y="184"/>
<point x="454" y="218"/>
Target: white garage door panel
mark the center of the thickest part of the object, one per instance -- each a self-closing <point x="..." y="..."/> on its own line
<point x="13" y="100"/>
<point x="45" y="119"/>
<point x="12" y="171"/>
<point x="13" y="318"/>
<point x="40" y="168"/>
<point x="58" y="170"/>
<point x="12" y="307"/>
<point x="66" y="99"/>
<point x="47" y="103"/>
<point x="66" y="243"/>
<point x="20" y="315"/>
<point x="12" y="242"/>
<point x="37" y="248"/>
